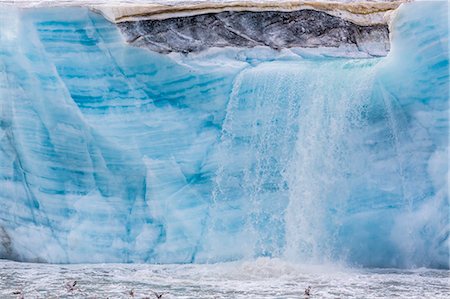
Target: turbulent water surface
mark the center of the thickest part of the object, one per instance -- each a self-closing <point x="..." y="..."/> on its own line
<point x="263" y="278"/>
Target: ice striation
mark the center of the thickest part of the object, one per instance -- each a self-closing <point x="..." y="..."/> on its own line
<point x="113" y="153"/>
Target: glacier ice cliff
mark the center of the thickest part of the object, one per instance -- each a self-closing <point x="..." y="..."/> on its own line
<point x="111" y="153"/>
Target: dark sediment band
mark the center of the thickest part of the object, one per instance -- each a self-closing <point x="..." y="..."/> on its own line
<point x="277" y="30"/>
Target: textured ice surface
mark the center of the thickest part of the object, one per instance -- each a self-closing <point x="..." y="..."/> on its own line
<point x="110" y="153"/>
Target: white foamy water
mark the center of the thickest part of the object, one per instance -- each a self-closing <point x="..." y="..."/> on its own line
<point x="263" y="278"/>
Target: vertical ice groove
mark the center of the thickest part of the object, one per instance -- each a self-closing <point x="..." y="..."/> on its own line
<point x="420" y="57"/>
<point x="22" y="174"/>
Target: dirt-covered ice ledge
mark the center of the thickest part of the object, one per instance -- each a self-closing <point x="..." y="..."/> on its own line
<point x="359" y="27"/>
<point x="356" y="26"/>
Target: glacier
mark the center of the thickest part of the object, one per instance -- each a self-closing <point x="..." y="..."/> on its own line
<point x="111" y="153"/>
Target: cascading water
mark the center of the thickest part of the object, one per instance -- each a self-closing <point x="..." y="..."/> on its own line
<point x="326" y="163"/>
<point x="286" y="156"/>
<point x="110" y="153"/>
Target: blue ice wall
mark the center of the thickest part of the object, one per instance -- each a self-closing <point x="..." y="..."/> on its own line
<point x="110" y="153"/>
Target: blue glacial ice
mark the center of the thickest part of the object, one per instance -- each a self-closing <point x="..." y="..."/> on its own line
<point x="110" y="153"/>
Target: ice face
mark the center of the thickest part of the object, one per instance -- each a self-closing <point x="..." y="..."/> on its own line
<point x="110" y="153"/>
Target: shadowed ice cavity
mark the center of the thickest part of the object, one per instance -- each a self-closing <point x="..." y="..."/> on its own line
<point x="110" y="153"/>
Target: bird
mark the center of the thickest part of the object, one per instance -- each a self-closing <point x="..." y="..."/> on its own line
<point x="308" y="291"/>
<point x="159" y="296"/>
<point x="19" y="293"/>
<point x="132" y="293"/>
<point x="71" y="285"/>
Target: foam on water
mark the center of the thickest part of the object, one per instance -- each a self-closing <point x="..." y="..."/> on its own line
<point x="263" y="278"/>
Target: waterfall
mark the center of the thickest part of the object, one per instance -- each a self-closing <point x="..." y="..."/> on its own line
<point x="326" y="160"/>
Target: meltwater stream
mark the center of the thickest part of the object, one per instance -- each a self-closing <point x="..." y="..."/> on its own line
<point x="110" y="153"/>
